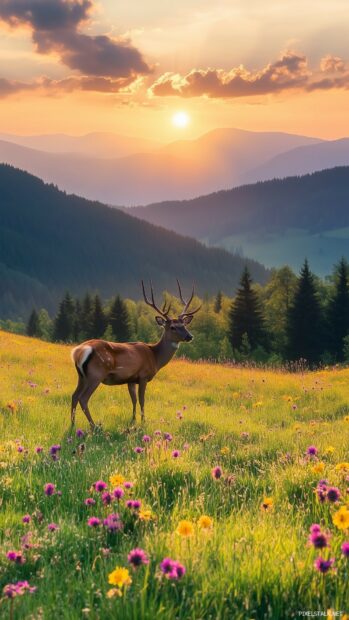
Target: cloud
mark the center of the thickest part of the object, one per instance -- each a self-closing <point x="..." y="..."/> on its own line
<point x="11" y="87"/>
<point x="55" y="28"/>
<point x="48" y="86"/>
<point x="289" y="72"/>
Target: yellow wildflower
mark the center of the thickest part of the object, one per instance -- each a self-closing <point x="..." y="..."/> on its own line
<point x="205" y="522"/>
<point x="344" y="467"/>
<point x="114" y="592"/>
<point x="116" y="479"/>
<point x="225" y="450"/>
<point x="185" y="528"/>
<point x="341" y="518"/>
<point x="267" y="504"/>
<point x="145" y="515"/>
<point x="329" y="450"/>
<point x="120" y="577"/>
<point x="235" y="394"/>
<point x="319" y="468"/>
<point x="346" y="419"/>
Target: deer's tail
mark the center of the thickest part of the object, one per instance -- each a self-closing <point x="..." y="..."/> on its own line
<point x="81" y="356"/>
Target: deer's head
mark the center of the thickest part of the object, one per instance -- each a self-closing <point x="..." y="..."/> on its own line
<point x="175" y="328"/>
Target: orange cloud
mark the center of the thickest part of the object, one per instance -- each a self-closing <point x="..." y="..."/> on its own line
<point x="290" y="72"/>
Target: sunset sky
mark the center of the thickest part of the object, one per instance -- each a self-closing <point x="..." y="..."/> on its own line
<point x="77" y="66"/>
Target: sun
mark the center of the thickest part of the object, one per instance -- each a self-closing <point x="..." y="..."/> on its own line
<point x="181" y="119"/>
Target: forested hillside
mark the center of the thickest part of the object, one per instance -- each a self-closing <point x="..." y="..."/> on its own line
<point x="51" y="242"/>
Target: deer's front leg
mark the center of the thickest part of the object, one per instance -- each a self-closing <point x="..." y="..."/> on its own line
<point x="133" y="394"/>
<point x="141" y="396"/>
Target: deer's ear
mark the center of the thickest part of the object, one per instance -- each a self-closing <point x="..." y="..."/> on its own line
<point x="188" y="319"/>
<point x="160" y="321"/>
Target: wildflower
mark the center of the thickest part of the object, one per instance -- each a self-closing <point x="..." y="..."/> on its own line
<point x="344" y="467"/>
<point x="168" y="437"/>
<point x="341" y="518"/>
<point x="120" y="577"/>
<point x="322" y="565"/>
<point x="137" y="557"/>
<point x="54" y="449"/>
<point x="134" y="504"/>
<point x="345" y="549"/>
<point x="217" y="472"/>
<point x="93" y="522"/>
<point x="321" y="490"/>
<point x="179" y="415"/>
<point x="128" y="485"/>
<point x="39" y="449"/>
<point x="185" y="528"/>
<point x="80" y="433"/>
<point x="318" y="539"/>
<point x="20" y="449"/>
<point x="106" y="498"/>
<point x="146" y="438"/>
<point x="26" y="519"/>
<point x="100" y="486"/>
<point x="49" y="489"/>
<point x="116" y="479"/>
<point x="11" y="590"/>
<point x="333" y="494"/>
<point x="267" y="504"/>
<point x="15" y="556"/>
<point x="118" y="493"/>
<point x="225" y="450"/>
<point x="52" y="527"/>
<point x="145" y="515"/>
<point x="205" y="522"/>
<point x="157" y="433"/>
<point x="318" y="468"/>
<point x="329" y="450"/>
<point x="315" y="528"/>
<point x="138" y="449"/>
<point x="89" y="501"/>
<point x="172" y="569"/>
<point x="245" y="435"/>
<point x="312" y="451"/>
<point x="112" y="522"/>
<point x="176" y="454"/>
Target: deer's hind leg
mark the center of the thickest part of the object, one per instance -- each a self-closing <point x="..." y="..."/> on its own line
<point x="85" y="397"/>
<point x="76" y="397"/>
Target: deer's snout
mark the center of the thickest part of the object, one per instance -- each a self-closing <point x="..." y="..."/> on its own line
<point x="189" y="338"/>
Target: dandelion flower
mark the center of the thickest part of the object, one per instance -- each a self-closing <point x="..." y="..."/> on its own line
<point x="116" y="479"/>
<point x="145" y="515"/>
<point x="319" y="468"/>
<point x="205" y="522"/>
<point x="120" y="577"/>
<point x="341" y="518"/>
<point x="185" y="528"/>
<point x="267" y="504"/>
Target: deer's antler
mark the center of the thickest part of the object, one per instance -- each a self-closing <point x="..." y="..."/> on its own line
<point x="164" y="312"/>
<point x="186" y="304"/>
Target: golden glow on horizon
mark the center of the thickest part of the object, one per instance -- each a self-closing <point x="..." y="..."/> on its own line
<point x="181" y="119"/>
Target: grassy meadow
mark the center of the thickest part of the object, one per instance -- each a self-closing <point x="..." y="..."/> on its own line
<point x="250" y="559"/>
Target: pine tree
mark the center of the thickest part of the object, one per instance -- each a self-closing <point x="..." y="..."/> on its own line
<point x="218" y="302"/>
<point x="86" y="317"/>
<point x="246" y="316"/>
<point x="33" y="325"/>
<point x="119" y="320"/>
<point x="77" y="332"/>
<point x="65" y="320"/>
<point x="99" y="323"/>
<point x="338" y="312"/>
<point x="305" y="321"/>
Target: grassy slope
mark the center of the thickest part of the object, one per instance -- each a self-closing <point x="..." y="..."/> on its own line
<point x="252" y="565"/>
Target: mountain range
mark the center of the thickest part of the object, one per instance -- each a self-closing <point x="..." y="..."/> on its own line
<point x="104" y="167"/>
<point x="276" y="222"/>
<point x="51" y="242"/>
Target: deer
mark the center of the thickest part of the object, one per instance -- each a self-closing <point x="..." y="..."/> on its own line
<point x="132" y="363"/>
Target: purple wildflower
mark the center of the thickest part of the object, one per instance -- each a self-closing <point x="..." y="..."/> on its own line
<point x="158" y="433"/>
<point x="20" y="449"/>
<point x="55" y="449"/>
<point x="217" y="472"/>
<point x="172" y="569"/>
<point x="128" y="485"/>
<point x="321" y="491"/>
<point x="26" y="519"/>
<point x="100" y="486"/>
<point x="333" y="494"/>
<point x="312" y="451"/>
<point x="18" y="589"/>
<point x="106" y="498"/>
<point x="168" y="437"/>
<point x="322" y="565"/>
<point x="80" y="433"/>
<point x="138" y="449"/>
<point x="134" y="504"/>
<point x="137" y="557"/>
<point x="176" y="454"/>
<point x="49" y="489"/>
<point x="112" y="522"/>
<point x="52" y="527"/>
<point x="93" y="522"/>
<point x="118" y="493"/>
<point x="345" y="549"/>
<point x="15" y="556"/>
<point x="319" y="539"/>
<point x="39" y="449"/>
<point x="146" y="438"/>
<point x="89" y="501"/>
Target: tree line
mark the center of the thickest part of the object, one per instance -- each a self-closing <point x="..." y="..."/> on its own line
<point x="291" y="318"/>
